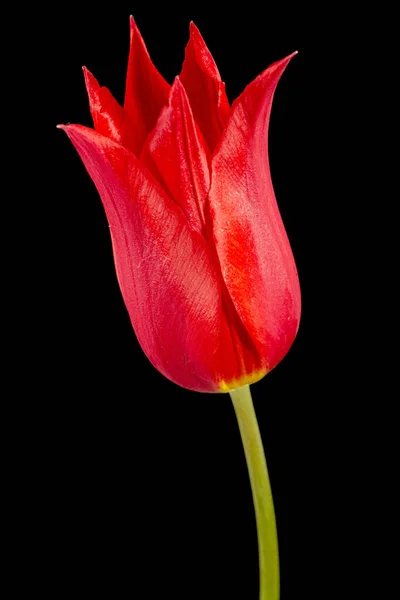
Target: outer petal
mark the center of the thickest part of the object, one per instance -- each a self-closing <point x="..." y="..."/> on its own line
<point x="176" y="154"/>
<point x="109" y="118"/>
<point x="170" y="285"/>
<point x="146" y="90"/>
<point x="205" y="89"/>
<point x="254" y="252"/>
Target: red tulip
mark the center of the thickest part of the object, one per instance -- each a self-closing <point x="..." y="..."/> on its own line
<point x="201" y="254"/>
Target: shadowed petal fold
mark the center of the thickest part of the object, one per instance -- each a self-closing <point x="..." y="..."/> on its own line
<point x="205" y="90"/>
<point x="254" y="252"/>
<point x="146" y="90"/>
<point x="109" y="118"/>
<point x="177" y="156"/>
<point x="168" y="281"/>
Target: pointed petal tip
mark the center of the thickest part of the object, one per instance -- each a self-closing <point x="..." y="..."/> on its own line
<point x="277" y="67"/>
<point x="69" y="128"/>
<point x="177" y="91"/>
<point x="195" y="35"/>
<point x="65" y="128"/>
<point x="91" y="83"/>
<point x="133" y="26"/>
<point x="288" y="58"/>
<point x="285" y="61"/>
<point x="82" y="133"/>
<point x="86" y="73"/>
<point x="177" y="82"/>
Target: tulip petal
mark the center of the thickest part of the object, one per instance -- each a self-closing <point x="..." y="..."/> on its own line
<point x="205" y="90"/>
<point x="254" y="252"/>
<point x="169" y="282"/>
<point x="176" y="154"/>
<point x="109" y="118"/>
<point x="146" y="90"/>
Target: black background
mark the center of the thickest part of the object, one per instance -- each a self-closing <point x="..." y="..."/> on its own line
<point x="141" y="486"/>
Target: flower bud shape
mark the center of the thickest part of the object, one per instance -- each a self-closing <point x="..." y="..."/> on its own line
<point x="201" y="254"/>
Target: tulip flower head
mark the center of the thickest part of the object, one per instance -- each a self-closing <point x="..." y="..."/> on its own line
<point x="201" y="254"/>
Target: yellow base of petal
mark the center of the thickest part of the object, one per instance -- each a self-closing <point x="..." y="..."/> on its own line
<point x="227" y="386"/>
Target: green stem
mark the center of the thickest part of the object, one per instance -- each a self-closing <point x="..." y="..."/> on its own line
<point x="262" y="495"/>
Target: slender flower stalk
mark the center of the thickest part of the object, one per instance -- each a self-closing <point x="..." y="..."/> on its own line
<point x="262" y="495"/>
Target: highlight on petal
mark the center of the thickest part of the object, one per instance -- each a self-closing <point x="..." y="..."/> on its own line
<point x="253" y="249"/>
<point x="176" y="154"/>
<point x="109" y="118"/>
<point x="146" y="90"/>
<point x="168" y="281"/>
<point x="205" y="90"/>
